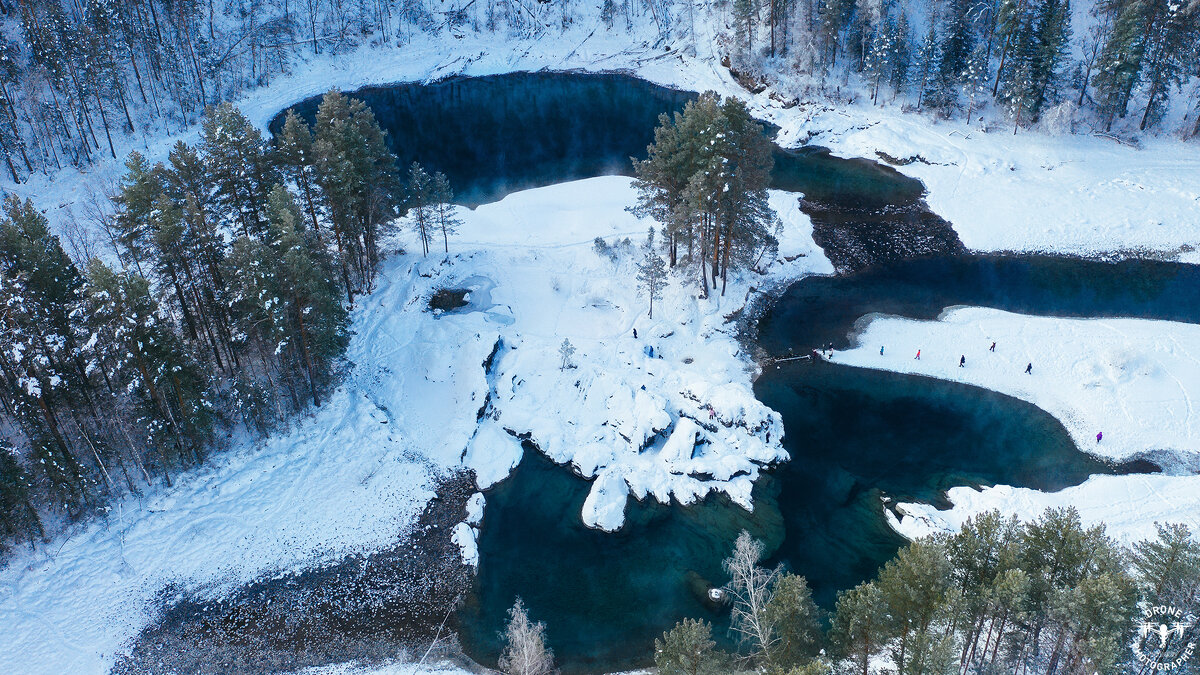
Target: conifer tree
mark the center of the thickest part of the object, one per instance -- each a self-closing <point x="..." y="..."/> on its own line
<point x="652" y="272"/>
<point x="294" y="155"/>
<point x="443" y="214"/>
<point x="357" y="178"/>
<point x="18" y="517"/>
<point x="238" y="168"/>
<point x="42" y="372"/>
<point x="1170" y="52"/>
<point x="312" y="320"/>
<point x="915" y="588"/>
<point x="859" y="627"/>
<point x="421" y="205"/>
<point x="688" y="649"/>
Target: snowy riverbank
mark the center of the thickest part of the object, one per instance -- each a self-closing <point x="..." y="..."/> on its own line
<point x="1133" y="380"/>
<point x="353" y="475"/>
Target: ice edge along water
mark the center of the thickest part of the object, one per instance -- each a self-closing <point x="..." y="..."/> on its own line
<point x="1134" y="380"/>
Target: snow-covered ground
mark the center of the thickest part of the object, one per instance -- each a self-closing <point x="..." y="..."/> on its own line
<point x="1025" y="192"/>
<point x="353" y="475"/>
<point x="1136" y="381"/>
<point x="1128" y="506"/>
<point x="1032" y="192"/>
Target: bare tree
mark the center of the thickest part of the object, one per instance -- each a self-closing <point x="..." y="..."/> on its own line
<point x="525" y="651"/>
<point x="749" y="589"/>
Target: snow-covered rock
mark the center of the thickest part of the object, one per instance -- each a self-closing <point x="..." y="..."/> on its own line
<point x="475" y="509"/>
<point x="465" y="536"/>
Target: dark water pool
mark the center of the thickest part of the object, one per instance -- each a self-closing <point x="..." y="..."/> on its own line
<point x="496" y="134"/>
<point x="854" y="435"/>
<point x="820" y="310"/>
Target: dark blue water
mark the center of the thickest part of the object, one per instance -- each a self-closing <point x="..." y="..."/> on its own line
<point x="496" y="134"/>
<point x="820" y="310"/>
<point x="854" y="435"/>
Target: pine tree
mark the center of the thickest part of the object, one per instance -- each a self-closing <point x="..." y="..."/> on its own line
<point x="1123" y="54"/>
<point x="294" y="155"/>
<point x="1167" y="573"/>
<point x="443" y="214"/>
<point x="357" y="178"/>
<point x="926" y="62"/>
<point x="915" y="588"/>
<point x="43" y="375"/>
<point x="688" y="649"/>
<point x="958" y="40"/>
<point x="859" y="626"/>
<point x="706" y="180"/>
<point x="18" y="517"/>
<point x="902" y="53"/>
<point x="974" y="79"/>
<point x="1170" y="52"/>
<point x="174" y="408"/>
<point x="139" y="191"/>
<point x="313" y="320"/>
<point x="796" y="620"/>
<point x="652" y="272"/>
<point x="238" y="168"/>
<point x="420" y="204"/>
<point x="745" y="13"/>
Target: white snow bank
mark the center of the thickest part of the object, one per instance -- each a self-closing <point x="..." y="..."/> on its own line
<point x="475" y="509"/>
<point x="1135" y="380"/>
<point x="676" y="425"/>
<point x="1128" y="506"/>
<point x="1032" y="191"/>
<point x="466" y="536"/>
<point x="353" y="475"/>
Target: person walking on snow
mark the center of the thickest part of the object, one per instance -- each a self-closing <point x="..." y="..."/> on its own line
<point x="1099" y="436"/>
<point x="990" y="349"/>
<point x="962" y="361"/>
<point x="918" y="356"/>
<point x="1029" y="369"/>
<point x="881" y="351"/>
<point x="634" y="333"/>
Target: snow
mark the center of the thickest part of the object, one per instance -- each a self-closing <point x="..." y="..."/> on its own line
<point x="1128" y="506"/>
<point x="353" y="475"/>
<point x="1031" y="192"/>
<point x="610" y="410"/>
<point x="466" y="537"/>
<point x="1135" y="380"/>
<point x="475" y="509"/>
